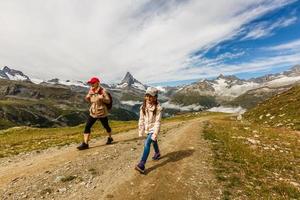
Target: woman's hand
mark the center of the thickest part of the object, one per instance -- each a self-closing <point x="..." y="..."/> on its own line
<point x="100" y="96"/>
<point x="154" y="137"/>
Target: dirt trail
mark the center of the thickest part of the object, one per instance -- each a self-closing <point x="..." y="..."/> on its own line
<point x="106" y="171"/>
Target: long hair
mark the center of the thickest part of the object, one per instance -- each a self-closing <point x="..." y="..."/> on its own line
<point x="144" y="106"/>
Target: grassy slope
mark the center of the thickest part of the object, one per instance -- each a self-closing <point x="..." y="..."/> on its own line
<point x="255" y="162"/>
<point x="280" y="110"/>
<point x="193" y="98"/>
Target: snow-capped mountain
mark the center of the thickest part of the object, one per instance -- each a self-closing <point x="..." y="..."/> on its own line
<point x="129" y="81"/>
<point x="16" y="75"/>
<point x="67" y="82"/>
<point x="230" y="87"/>
<point x="11" y="74"/>
<point x="223" y="86"/>
<point x="198" y="95"/>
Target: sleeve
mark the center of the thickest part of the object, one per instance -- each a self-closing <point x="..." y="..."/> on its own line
<point x="141" y="123"/>
<point x="88" y="96"/>
<point x="157" y="122"/>
<point x="106" y="98"/>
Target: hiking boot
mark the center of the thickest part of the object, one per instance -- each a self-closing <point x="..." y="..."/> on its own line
<point x="156" y="156"/>
<point x="109" y="140"/>
<point x="140" y="167"/>
<point x="83" y="146"/>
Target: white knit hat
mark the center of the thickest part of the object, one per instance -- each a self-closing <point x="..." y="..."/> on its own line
<point x="152" y="91"/>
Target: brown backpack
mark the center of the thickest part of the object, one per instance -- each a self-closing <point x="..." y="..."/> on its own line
<point x="108" y="105"/>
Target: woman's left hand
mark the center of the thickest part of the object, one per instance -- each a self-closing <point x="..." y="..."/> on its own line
<point x="153" y="137"/>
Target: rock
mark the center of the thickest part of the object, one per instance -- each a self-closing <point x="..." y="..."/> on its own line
<point x="59" y="178"/>
<point x="279" y="124"/>
<point x="295" y="184"/>
<point x="239" y="117"/>
<point x="252" y="141"/>
<point x="61" y="190"/>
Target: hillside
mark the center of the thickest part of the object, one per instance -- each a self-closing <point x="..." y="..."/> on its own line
<point x="25" y="103"/>
<point x="280" y="110"/>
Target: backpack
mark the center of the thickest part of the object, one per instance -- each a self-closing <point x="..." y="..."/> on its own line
<point x="108" y="105"/>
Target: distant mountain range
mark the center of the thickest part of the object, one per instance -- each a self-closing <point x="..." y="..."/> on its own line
<point x="201" y="95"/>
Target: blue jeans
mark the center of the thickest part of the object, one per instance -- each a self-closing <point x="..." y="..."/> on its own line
<point x="148" y="142"/>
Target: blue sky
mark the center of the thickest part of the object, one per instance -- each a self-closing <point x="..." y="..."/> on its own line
<point x="160" y="42"/>
<point x="255" y="41"/>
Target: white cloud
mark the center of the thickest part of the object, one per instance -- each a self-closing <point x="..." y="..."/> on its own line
<point x="73" y="39"/>
<point x="293" y="46"/>
<point x="264" y="29"/>
<point x="193" y="107"/>
<point x="131" y="103"/>
<point x="213" y="69"/>
<point x="223" y="109"/>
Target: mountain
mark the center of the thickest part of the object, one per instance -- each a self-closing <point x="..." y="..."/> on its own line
<point x="11" y="74"/>
<point x="26" y="103"/>
<point x="129" y="93"/>
<point x="130" y="82"/>
<point x="280" y="110"/>
<point x="230" y="90"/>
<point x="211" y="93"/>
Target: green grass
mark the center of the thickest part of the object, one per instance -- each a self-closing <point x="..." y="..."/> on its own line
<point x="255" y="162"/>
<point x="282" y="110"/>
<point x="4" y="124"/>
<point x="194" y="98"/>
<point x="24" y="139"/>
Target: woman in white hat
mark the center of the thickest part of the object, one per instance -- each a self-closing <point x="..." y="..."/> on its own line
<point x="149" y="123"/>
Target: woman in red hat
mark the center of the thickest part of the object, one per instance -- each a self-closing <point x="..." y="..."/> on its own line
<point x="98" y="98"/>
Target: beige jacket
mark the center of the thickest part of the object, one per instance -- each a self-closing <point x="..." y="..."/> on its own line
<point x="149" y="122"/>
<point x="98" y="109"/>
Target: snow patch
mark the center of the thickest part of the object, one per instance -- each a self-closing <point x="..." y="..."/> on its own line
<point x="17" y="77"/>
<point x="139" y="86"/>
<point x="36" y="81"/>
<point x="75" y="83"/>
<point x="122" y="85"/>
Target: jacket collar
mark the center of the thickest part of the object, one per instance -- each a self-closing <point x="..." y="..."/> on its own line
<point x="150" y="107"/>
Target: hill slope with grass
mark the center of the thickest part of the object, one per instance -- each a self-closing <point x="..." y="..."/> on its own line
<point x="281" y="110"/>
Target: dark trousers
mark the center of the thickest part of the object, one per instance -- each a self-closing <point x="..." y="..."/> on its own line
<point x="91" y="121"/>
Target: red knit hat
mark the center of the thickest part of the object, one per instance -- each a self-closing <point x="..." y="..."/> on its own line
<point x="94" y="80"/>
